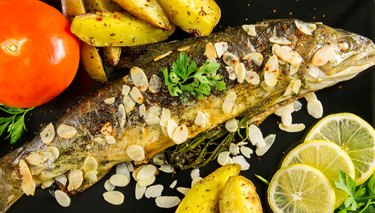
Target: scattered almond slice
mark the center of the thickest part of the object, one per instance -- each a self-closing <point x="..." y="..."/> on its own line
<point x="114" y="197"/>
<point x="256" y="136"/>
<point x="154" y="191"/>
<point x="250" y="29"/>
<point x="36" y="158"/>
<point x="125" y="90"/>
<point x="119" y="180"/>
<point x="256" y="58"/>
<point x="297" y="106"/>
<point x="239" y="159"/>
<point x="194" y="173"/>
<point x="306" y="28"/>
<point x="234" y="149"/>
<point x="48" y="134"/>
<point x="135" y="152"/>
<point x="171" y="127"/>
<point x="157" y="58"/>
<point x="231" y="125"/>
<point x="210" y="51"/>
<point x="182" y="49"/>
<point x="271" y="71"/>
<point x="62" y="179"/>
<point x="183" y="190"/>
<point x="147" y="182"/>
<point x="221" y="48"/>
<point x="62" y="198"/>
<point x="230" y="59"/>
<point x="108" y="185"/>
<point x="110" y="139"/>
<point x="269" y="140"/>
<point x="139" y="78"/>
<point x="279" y="40"/>
<point x="232" y="74"/>
<point x="139" y="191"/>
<point x="155" y="84"/>
<point x="146" y="172"/>
<point x="201" y="119"/>
<point x="323" y="55"/>
<point x="315" y="108"/>
<point x="165" y="116"/>
<point x="91" y="176"/>
<point x="252" y="77"/>
<point x="240" y="70"/>
<point x="123" y="169"/>
<point x="223" y="158"/>
<point x="166" y="168"/>
<point x="75" y="178"/>
<point x="292" y="128"/>
<point x="28" y="184"/>
<point x="122" y="115"/>
<point x="90" y="164"/>
<point x="246" y="151"/>
<point x="167" y="201"/>
<point x="66" y="131"/>
<point x="173" y="184"/>
<point x="48" y="183"/>
<point x="136" y="95"/>
<point x="152" y="121"/>
<point x="110" y="100"/>
<point x="229" y="102"/>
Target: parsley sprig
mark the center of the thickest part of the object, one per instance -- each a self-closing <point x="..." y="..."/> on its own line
<point x="361" y="198"/>
<point x="185" y="79"/>
<point x="14" y="124"/>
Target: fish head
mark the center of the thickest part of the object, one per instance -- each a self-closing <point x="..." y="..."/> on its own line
<point x="336" y="55"/>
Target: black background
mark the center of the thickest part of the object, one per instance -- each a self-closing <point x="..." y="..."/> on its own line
<point x="356" y="96"/>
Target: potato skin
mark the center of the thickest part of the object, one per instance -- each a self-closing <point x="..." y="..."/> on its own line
<point x="239" y="196"/>
<point x="103" y="29"/>
<point x="92" y="62"/>
<point x="71" y="8"/>
<point x="196" y="17"/>
<point x="147" y="10"/>
<point x="203" y="197"/>
<point x="101" y="5"/>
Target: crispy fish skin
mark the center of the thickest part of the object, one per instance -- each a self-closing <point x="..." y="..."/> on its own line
<point x="93" y="118"/>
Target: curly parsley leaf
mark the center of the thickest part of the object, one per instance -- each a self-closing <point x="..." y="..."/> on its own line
<point x="184" y="78"/>
<point x="13" y="124"/>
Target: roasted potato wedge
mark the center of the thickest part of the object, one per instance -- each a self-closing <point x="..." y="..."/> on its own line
<point x="116" y="29"/>
<point x="203" y="197"/>
<point x="196" y="17"/>
<point x="239" y="195"/>
<point x="147" y="10"/>
<point x="102" y="5"/>
<point x="71" y="8"/>
<point x="92" y="62"/>
<point x="111" y="55"/>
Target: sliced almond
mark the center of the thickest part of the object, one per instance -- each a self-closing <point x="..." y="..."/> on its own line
<point x="110" y="139"/>
<point x="36" y="158"/>
<point x="147" y="182"/>
<point x="100" y="141"/>
<point x="28" y="183"/>
<point x="154" y="191"/>
<point x="250" y="29"/>
<point x="232" y="74"/>
<point x="183" y="49"/>
<point x="123" y="169"/>
<point x="54" y="151"/>
<point x="48" y="183"/>
<point x="66" y="131"/>
<point x="279" y="40"/>
<point x="139" y="78"/>
<point x="152" y="121"/>
<point x="75" y="178"/>
<point x="142" y="110"/>
<point x="62" y="198"/>
<point x="135" y="152"/>
<point x="122" y="115"/>
<point x="210" y="51"/>
<point x="292" y="128"/>
<point x="171" y="127"/>
<point x="90" y="164"/>
<point x="139" y="191"/>
<point x="256" y="58"/>
<point x="173" y="184"/>
<point x="166" y="168"/>
<point x="167" y="201"/>
<point x="252" y="77"/>
<point x="195" y="173"/>
<point x="271" y="71"/>
<point x="110" y="101"/>
<point x="108" y="185"/>
<point x="234" y="149"/>
<point x="239" y="159"/>
<point x="221" y="48"/>
<point x="323" y="55"/>
<point x="114" y="197"/>
<point x="125" y="90"/>
<point x="310" y="97"/>
<point x="91" y="176"/>
<point x="155" y="84"/>
<point x="136" y="95"/>
<point x="165" y="116"/>
<point x="306" y="28"/>
<point x="119" y="180"/>
<point x="201" y="119"/>
<point x="269" y="140"/>
<point x="294" y="68"/>
<point x="229" y="102"/>
<point x="296" y="86"/>
<point x="48" y="134"/>
<point x="196" y="180"/>
<point x="315" y="108"/>
<point x="223" y="158"/>
<point x="297" y="105"/>
<point x="230" y="59"/>
<point x="146" y="172"/>
<point x="246" y="151"/>
<point x="231" y="125"/>
<point x="157" y="58"/>
<point x="240" y="70"/>
<point x="287" y="109"/>
<point x="129" y="103"/>
<point x="256" y="136"/>
<point x="62" y="179"/>
<point x="180" y="134"/>
<point x="183" y="190"/>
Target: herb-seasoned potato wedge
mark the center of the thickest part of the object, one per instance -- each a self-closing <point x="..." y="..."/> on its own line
<point x="116" y="29"/>
<point x="92" y="62"/>
<point x="203" y="197"/>
<point x="147" y="10"/>
<point x="196" y="17"/>
<point x="239" y="195"/>
<point x="111" y="55"/>
<point x="71" y="8"/>
<point x="102" y="5"/>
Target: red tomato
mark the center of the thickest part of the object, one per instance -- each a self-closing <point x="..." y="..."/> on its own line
<point x="39" y="56"/>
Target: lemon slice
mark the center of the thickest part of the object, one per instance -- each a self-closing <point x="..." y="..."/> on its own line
<point x="300" y="188"/>
<point x="354" y="135"/>
<point x="325" y="156"/>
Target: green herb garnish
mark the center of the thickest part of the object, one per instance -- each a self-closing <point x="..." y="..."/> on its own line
<point x="361" y="198"/>
<point x="184" y="78"/>
<point x="14" y="124"/>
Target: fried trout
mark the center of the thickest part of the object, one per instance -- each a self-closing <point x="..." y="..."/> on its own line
<point x="263" y="67"/>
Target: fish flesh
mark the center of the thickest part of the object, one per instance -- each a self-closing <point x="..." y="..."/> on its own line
<point x="135" y="117"/>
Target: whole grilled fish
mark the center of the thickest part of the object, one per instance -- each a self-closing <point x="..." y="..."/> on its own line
<point x="136" y="117"/>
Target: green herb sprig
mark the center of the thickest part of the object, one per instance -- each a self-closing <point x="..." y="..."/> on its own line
<point x="361" y="198"/>
<point x="184" y="78"/>
<point x="13" y="124"/>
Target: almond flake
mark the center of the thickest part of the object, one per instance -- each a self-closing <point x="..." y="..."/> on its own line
<point x="165" y="116"/>
<point x="201" y="119"/>
<point x="147" y="182"/>
<point x="130" y="166"/>
<point x="48" y="183"/>
<point x="139" y="191"/>
<point x="136" y="95"/>
<point x="123" y="169"/>
<point x="294" y="68"/>
<point x="231" y="125"/>
<point x="100" y="141"/>
<point x="110" y="101"/>
<point x="125" y="90"/>
<point x="315" y="108"/>
<point x="284" y="110"/>
<point x="240" y="70"/>
<point x="232" y="74"/>
<point x="195" y="181"/>
<point x="90" y="164"/>
<point x="62" y="198"/>
<point x="323" y="55"/>
<point x="155" y="84"/>
<point x="229" y="102"/>
<point x="139" y="78"/>
<point x="166" y="168"/>
<point x="36" y="158"/>
<point x="108" y="185"/>
<point x="297" y="106"/>
<point x="269" y="140"/>
<point x="167" y="201"/>
<point x="54" y="151"/>
<point x="173" y="184"/>
<point x="246" y="151"/>
<point x="171" y="127"/>
<point x="306" y="28"/>
<point x="280" y="40"/>
<point x="230" y="59"/>
<point x="152" y="121"/>
<point x="180" y="134"/>
<point x="234" y="149"/>
<point x="157" y="58"/>
<point x="110" y="139"/>
<point x="154" y="191"/>
<point x="48" y="134"/>
<point x="183" y="190"/>
<point x="296" y="86"/>
<point x="223" y="158"/>
<point x="182" y="49"/>
<point x="28" y="183"/>
<point x="122" y="115"/>
<point x="146" y="171"/>
<point x="242" y="162"/>
<point x="256" y="58"/>
<point x="221" y="48"/>
<point x="91" y="176"/>
<point x="114" y="197"/>
<point x="66" y="131"/>
<point x="292" y="128"/>
<point x="210" y="51"/>
<point x="75" y="178"/>
<point x="271" y="71"/>
<point x="256" y="136"/>
<point x="252" y="77"/>
<point x="119" y="180"/>
<point x="62" y="179"/>
<point x="135" y="152"/>
<point x="250" y="29"/>
<point x="194" y="173"/>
